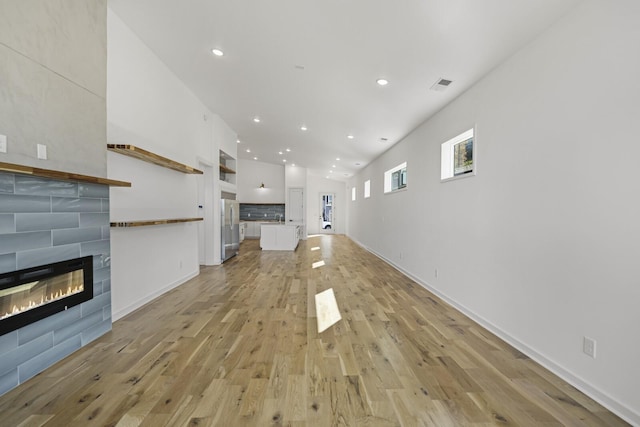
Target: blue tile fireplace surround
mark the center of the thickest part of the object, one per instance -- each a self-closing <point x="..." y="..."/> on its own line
<point x="44" y="221"/>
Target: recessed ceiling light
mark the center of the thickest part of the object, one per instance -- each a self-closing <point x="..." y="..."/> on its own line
<point x="338" y="158"/>
<point x="255" y="158"/>
<point x="326" y="177"/>
<point x="350" y="137"/>
<point x="280" y="152"/>
<point x="333" y="166"/>
<point x="288" y="150"/>
<point x="382" y="82"/>
<point x="284" y="160"/>
<point x="303" y="128"/>
<point x="330" y="171"/>
<point x="238" y="141"/>
<point x="293" y="164"/>
<point x="248" y="151"/>
<point x="217" y="52"/>
<point x="256" y="119"/>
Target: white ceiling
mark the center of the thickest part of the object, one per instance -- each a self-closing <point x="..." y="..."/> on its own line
<point x="344" y="46"/>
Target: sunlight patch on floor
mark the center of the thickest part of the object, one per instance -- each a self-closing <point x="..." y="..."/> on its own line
<point x="315" y="248"/>
<point x="327" y="310"/>
<point x="317" y="264"/>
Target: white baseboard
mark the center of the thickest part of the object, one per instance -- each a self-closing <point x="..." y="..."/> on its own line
<point x="139" y="303"/>
<point x="621" y="410"/>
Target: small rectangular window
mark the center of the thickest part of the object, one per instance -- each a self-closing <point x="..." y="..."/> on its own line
<point x="367" y="189"/>
<point x="353" y="194"/>
<point x="395" y="178"/>
<point x="457" y="156"/>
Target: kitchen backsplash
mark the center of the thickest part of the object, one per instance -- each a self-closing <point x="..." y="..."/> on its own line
<point x="260" y="212"/>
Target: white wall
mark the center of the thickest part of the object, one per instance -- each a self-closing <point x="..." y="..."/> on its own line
<point x="316" y="186"/>
<point x="149" y="107"/>
<point x="251" y="174"/>
<point x="541" y="245"/>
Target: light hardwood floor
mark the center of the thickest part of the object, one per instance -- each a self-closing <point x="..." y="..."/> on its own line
<point x="238" y="345"/>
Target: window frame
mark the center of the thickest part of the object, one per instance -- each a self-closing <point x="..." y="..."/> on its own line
<point x="447" y="156"/>
<point x="388" y="179"/>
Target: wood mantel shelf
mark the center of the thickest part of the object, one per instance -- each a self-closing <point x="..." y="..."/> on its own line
<point x="144" y="223"/>
<point x="59" y="175"/>
<point x="148" y="156"/>
<point x="225" y="169"/>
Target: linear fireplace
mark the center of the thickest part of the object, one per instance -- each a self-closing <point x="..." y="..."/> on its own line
<point x="29" y="295"/>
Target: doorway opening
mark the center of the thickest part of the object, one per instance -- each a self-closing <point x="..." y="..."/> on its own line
<point x="327" y="207"/>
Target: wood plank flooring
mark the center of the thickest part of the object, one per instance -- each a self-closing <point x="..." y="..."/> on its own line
<point x="238" y="346"/>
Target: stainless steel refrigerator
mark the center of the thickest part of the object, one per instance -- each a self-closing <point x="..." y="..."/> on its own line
<point x="230" y="223"/>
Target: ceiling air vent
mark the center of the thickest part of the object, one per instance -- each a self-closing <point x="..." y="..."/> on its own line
<point x="441" y="85"/>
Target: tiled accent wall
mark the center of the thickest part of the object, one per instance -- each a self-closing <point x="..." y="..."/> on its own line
<point x="255" y="212"/>
<point x="44" y="221"/>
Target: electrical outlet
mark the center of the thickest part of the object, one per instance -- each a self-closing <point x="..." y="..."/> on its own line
<point x="42" y="151"/>
<point x="589" y="346"/>
<point x="3" y="143"/>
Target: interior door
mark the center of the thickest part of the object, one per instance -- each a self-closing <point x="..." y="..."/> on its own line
<point x="200" y="224"/>
<point x="296" y="205"/>
<point x="205" y="210"/>
<point x="326" y="217"/>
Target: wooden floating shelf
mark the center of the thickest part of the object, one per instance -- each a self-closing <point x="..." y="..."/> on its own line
<point x="225" y="169"/>
<point x="59" y="175"/>
<point x="148" y="156"/>
<point x="145" y="223"/>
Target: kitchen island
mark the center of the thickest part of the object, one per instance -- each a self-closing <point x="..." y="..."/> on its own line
<point x="279" y="237"/>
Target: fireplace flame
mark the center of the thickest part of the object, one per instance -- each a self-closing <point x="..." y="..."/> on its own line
<point x="32" y="294"/>
<point x="30" y="304"/>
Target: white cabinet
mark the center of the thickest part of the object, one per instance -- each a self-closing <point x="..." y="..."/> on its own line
<point x="252" y="230"/>
<point x="279" y="237"/>
<point x="243" y="228"/>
